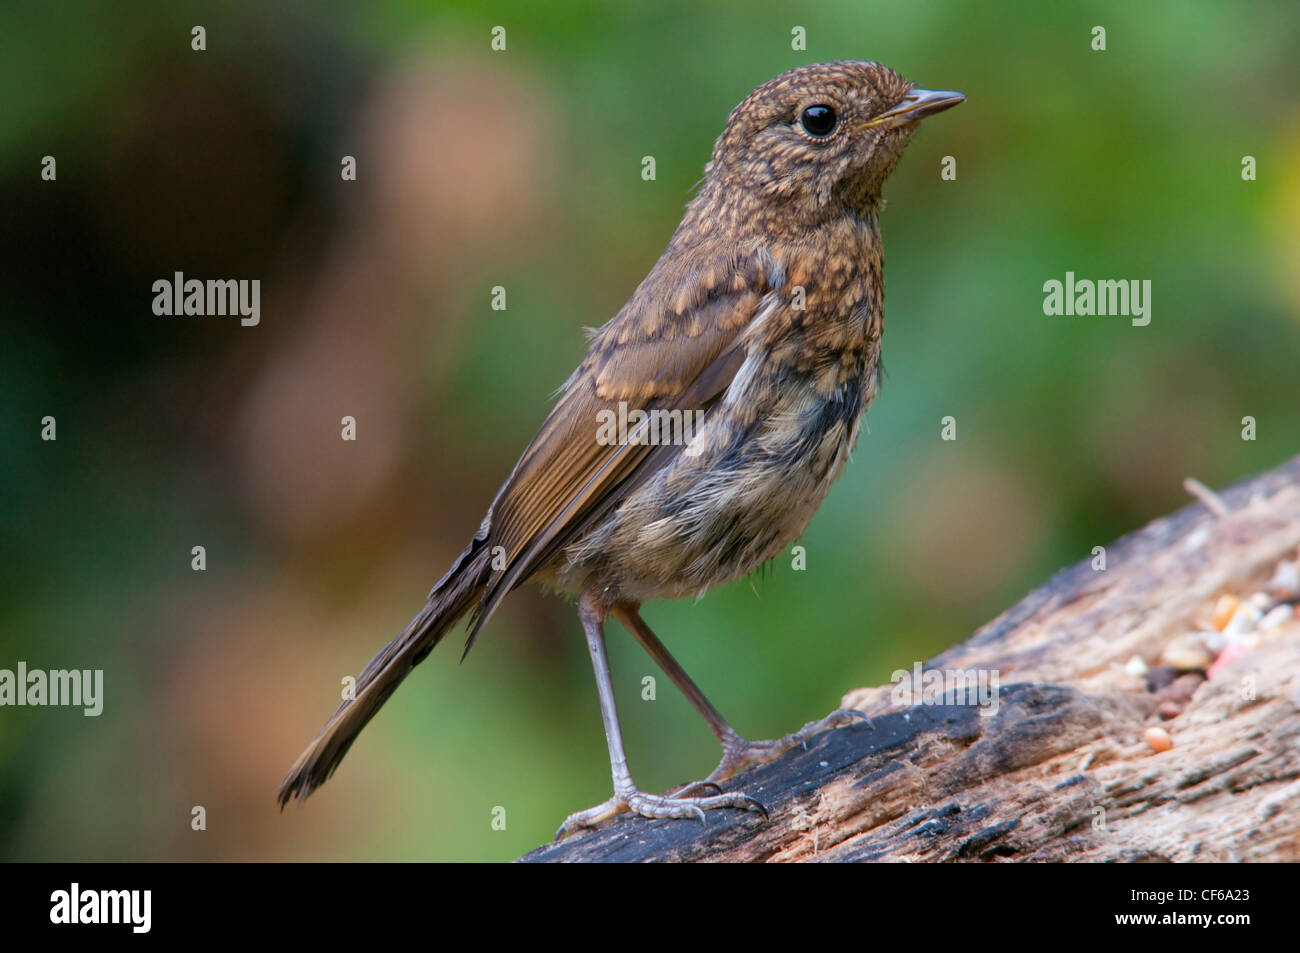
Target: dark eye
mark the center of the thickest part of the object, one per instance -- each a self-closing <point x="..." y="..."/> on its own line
<point x="818" y="121"/>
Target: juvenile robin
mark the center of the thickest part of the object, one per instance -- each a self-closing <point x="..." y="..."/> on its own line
<point x="761" y="325"/>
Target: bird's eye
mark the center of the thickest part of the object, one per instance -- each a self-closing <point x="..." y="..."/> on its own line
<point x="818" y="121"/>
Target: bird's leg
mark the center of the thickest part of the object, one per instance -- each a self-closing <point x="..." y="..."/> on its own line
<point x="626" y="796"/>
<point x="736" y="750"/>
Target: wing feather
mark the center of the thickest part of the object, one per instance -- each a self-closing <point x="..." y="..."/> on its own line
<point x="676" y="345"/>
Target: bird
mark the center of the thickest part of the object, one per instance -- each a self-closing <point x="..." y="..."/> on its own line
<point x="738" y="372"/>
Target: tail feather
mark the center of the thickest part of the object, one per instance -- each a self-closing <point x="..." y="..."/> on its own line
<point x="454" y="595"/>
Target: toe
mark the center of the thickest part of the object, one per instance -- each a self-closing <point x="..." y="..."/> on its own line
<point x="591" y="816"/>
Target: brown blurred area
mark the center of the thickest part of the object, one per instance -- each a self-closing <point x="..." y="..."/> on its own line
<point x="426" y="211"/>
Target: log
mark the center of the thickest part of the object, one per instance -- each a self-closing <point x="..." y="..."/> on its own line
<point x="1107" y="742"/>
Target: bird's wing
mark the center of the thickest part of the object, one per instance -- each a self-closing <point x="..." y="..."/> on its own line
<point x="676" y="345"/>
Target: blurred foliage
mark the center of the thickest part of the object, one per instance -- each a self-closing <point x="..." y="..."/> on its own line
<point x="522" y="169"/>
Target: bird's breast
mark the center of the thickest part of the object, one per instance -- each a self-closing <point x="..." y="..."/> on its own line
<point x="744" y="486"/>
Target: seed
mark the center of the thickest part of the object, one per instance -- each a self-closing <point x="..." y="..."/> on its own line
<point x="1159" y="739"/>
<point x="1223" y="611"/>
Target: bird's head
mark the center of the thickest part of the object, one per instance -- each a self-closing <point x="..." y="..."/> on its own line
<point x="821" y="137"/>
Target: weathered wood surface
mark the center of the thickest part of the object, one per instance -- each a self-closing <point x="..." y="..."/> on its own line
<point x="1063" y="770"/>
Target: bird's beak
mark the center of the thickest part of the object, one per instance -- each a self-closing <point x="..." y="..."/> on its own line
<point x="918" y="104"/>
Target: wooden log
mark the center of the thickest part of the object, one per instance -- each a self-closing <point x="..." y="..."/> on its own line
<point x="1073" y="763"/>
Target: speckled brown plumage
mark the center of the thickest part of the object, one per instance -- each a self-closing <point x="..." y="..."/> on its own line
<point x="765" y="315"/>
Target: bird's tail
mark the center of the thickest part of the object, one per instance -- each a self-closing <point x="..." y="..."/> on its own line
<point x="454" y="595"/>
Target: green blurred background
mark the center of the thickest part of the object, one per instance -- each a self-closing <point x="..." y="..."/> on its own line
<point x="522" y="169"/>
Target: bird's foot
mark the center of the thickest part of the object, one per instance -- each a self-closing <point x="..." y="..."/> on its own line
<point x="737" y="752"/>
<point x="658" y="806"/>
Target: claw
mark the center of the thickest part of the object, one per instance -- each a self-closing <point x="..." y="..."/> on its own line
<point x="846" y="716"/>
<point x="697" y="785"/>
